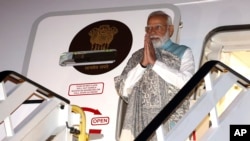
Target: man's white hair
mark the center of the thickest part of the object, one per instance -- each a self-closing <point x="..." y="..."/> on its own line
<point x="163" y="14"/>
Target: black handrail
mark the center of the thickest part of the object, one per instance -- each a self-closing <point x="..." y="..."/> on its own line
<point x="7" y="73"/>
<point x="181" y="95"/>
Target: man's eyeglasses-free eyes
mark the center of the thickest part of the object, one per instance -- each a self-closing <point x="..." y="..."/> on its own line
<point x="157" y="28"/>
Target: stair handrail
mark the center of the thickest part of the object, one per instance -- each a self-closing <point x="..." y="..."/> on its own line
<point x="185" y="92"/>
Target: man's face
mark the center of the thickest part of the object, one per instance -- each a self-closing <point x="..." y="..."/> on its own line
<point x="157" y="30"/>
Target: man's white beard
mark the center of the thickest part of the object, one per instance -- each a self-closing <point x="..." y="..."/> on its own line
<point x="160" y="41"/>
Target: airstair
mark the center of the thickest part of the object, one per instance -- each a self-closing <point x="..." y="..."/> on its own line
<point x="30" y="112"/>
<point x="220" y="97"/>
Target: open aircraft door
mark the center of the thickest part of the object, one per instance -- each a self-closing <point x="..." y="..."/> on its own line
<point x="122" y="104"/>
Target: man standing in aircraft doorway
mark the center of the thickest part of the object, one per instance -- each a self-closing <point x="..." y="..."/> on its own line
<point x="152" y="77"/>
